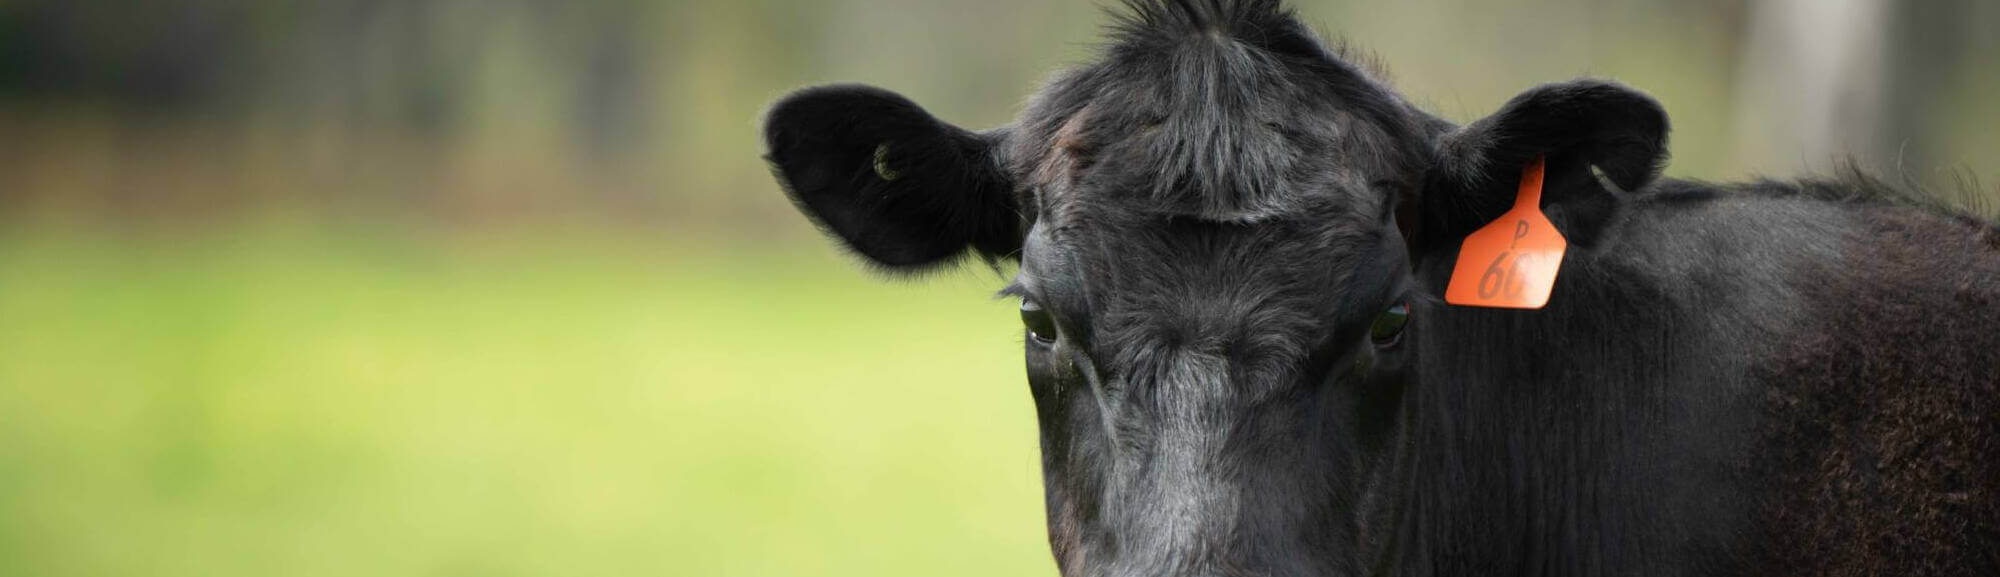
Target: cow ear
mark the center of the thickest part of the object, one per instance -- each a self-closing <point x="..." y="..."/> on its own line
<point x="894" y="184"/>
<point x="1575" y="126"/>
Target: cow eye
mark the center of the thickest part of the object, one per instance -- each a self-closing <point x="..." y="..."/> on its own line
<point x="1041" y="326"/>
<point x="1389" y="325"/>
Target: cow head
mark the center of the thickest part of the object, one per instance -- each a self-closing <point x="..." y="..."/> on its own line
<point x="1229" y="241"/>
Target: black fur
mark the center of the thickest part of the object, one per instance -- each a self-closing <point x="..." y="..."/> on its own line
<point x="1746" y="379"/>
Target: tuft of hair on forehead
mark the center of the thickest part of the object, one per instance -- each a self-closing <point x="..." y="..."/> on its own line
<point x="1209" y="109"/>
<point x="1150" y="25"/>
<point x="1203" y="14"/>
<point x="1267" y="24"/>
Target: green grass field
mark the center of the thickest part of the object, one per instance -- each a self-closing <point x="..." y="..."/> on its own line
<point x="550" y="403"/>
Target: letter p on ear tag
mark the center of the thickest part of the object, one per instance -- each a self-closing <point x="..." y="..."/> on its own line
<point x="1511" y="262"/>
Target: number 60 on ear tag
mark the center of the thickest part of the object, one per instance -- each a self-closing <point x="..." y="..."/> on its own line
<point x="1512" y="261"/>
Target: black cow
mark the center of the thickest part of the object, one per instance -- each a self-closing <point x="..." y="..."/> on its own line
<point x="1234" y="247"/>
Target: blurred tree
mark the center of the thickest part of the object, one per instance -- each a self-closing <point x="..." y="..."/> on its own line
<point x="1810" y="86"/>
<point x="1824" y="80"/>
<point x="163" y="57"/>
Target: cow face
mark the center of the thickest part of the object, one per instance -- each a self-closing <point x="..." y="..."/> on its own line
<point x="1220" y="228"/>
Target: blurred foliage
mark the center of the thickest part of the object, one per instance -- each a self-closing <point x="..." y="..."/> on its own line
<point x="463" y="110"/>
<point x="461" y="287"/>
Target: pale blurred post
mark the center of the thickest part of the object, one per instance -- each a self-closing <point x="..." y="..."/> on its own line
<point x="1810" y="87"/>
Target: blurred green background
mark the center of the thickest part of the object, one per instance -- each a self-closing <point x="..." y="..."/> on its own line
<point x="471" y="288"/>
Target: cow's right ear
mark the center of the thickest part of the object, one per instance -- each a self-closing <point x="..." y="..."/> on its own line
<point x="900" y="187"/>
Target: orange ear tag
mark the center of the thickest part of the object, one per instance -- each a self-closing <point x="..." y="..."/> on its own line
<point x="1511" y="262"/>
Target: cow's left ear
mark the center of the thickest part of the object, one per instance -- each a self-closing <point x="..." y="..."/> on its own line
<point x="1574" y="125"/>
